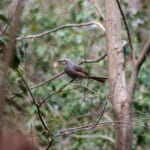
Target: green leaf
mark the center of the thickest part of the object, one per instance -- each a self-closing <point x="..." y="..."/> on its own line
<point x="16" y="62"/>
<point x="2" y="42"/>
<point x="20" y="95"/>
<point x="4" y="19"/>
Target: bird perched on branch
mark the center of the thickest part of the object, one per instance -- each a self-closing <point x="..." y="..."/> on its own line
<point x="76" y="72"/>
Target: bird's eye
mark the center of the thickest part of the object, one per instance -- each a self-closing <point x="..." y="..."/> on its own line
<point x="65" y="62"/>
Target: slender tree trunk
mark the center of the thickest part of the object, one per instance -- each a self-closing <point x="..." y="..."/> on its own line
<point x="120" y="98"/>
<point x="9" y="49"/>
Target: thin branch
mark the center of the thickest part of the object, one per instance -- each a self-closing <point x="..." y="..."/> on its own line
<point x="93" y="61"/>
<point x="50" y="143"/>
<point x="70" y="131"/>
<point x="8" y="24"/>
<point x="61" y="27"/>
<point x="49" y="80"/>
<point x="95" y="5"/>
<point x="101" y="114"/>
<point x="34" y="100"/>
<point x="79" y="117"/>
<point x="85" y="87"/>
<point x="128" y="31"/>
<point x="142" y="56"/>
<point x="94" y="136"/>
<point x="88" y="127"/>
<point x="54" y="93"/>
<point x="135" y="71"/>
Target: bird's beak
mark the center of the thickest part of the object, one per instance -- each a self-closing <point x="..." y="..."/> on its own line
<point x="60" y="60"/>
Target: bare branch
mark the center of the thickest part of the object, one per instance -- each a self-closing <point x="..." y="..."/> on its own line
<point x="95" y="5"/>
<point x="93" y="61"/>
<point x="142" y="56"/>
<point x="60" y="28"/>
<point x="54" y="93"/>
<point x="135" y="71"/>
<point x="70" y="131"/>
<point x="94" y="136"/>
<point x="128" y="31"/>
<point x="49" y="80"/>
<point x="50" y="143"/>
<point x="88" y="127"/>
<point x="34" y="100"/>
<point x="101" y="114"/>
<point x="85" y="87"/>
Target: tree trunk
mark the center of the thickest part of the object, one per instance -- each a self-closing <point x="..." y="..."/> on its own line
<point x="120" y="98"/>
<point x="9" y="49"/>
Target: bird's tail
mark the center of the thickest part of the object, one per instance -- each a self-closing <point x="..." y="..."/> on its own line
<point x="100" y="79"/>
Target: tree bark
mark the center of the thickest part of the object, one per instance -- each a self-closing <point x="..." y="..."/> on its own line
<point x="121" y="100"/>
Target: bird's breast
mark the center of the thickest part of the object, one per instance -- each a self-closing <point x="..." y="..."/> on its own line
<point x="70" y="71"/>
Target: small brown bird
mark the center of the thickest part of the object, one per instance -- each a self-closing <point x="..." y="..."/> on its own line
<point x="76" y="72"/>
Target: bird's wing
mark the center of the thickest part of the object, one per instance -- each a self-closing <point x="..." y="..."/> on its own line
<point x="79" y="69"/>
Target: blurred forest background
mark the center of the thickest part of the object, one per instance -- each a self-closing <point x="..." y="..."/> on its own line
<point x="79" y="103"/>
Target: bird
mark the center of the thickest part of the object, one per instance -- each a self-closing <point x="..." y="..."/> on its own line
<point x="75" y="71"/>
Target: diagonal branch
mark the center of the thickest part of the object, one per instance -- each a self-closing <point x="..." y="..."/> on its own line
<point x="95" y="5"/>
<point x="89" y="127"/>
<point x="86" y="136"/>
<point x="128" y="31"/>
<point x="50" y="143"/>
<point x="101" y="114"/>
<point x="62" y="27"/>
<point x="136" y="69"/>
<point x="54" y="93"/>
<point x="49" y="80"/>
<point x="145" y="52"/>
<point x="34" y="100"/>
